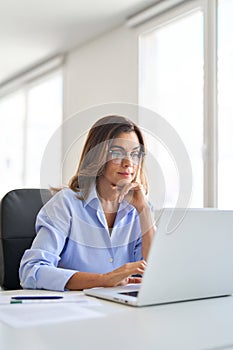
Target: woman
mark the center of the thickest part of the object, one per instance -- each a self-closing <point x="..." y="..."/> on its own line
<point x="98" y="231"/>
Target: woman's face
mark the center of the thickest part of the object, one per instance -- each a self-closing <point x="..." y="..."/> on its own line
<point x="123" y="159"/>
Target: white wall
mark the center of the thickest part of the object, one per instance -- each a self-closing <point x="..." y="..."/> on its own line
<point x="104" y="70"/>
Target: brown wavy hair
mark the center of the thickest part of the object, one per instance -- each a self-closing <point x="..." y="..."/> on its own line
<point x="95" y="150"/>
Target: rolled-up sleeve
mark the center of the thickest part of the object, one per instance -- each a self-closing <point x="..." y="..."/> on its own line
<point x="38" y="270"/>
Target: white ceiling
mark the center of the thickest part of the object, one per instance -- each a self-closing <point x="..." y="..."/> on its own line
<point x="32" y="31"/>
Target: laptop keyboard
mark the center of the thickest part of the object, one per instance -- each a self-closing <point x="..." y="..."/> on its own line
<point x="132" y="294"/>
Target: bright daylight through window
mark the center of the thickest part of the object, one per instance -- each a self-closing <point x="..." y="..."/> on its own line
<point x="174" y="71"/>
<point x="28" y="120"/>
<point x="171" y="84"/>
<point x="225" y="104"/>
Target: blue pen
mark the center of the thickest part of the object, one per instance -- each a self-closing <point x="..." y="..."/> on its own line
<point x="36" y="297"/>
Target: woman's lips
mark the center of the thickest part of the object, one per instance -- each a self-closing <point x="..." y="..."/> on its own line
<point x="125" y="174"/>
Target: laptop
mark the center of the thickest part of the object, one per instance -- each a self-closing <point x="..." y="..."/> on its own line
<point x="191" y="258"/>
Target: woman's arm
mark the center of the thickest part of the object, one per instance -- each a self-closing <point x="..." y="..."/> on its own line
<point x="148" y="230"/>
<point x="120" y="276"/>
<point x="134" y="194"/>
<point x="39" y="264"/>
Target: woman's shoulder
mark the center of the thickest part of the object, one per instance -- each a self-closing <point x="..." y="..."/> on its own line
<point x="63" y="203"/>
<point x="65" y="191"/>
<point x="64" y="195"/>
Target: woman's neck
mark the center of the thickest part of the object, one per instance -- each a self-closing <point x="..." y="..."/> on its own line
<point x="106" y="191"/>
<point x="108" y="196"/>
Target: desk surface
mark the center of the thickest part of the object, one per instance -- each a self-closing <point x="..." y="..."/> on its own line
<point x="203" y="324"/>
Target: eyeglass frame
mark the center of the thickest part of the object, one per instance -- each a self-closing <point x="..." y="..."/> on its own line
<point x="125" y="154"/>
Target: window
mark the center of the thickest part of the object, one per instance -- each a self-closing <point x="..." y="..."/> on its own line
<point x="12" y="111"/>
<point x="225" y="104"/>
<point x="177" y="80"/>
<point x="172" y="86"/>
<point x="28" y="118"/>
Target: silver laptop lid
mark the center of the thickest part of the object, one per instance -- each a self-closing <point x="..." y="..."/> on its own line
<point x="191" y="257"/>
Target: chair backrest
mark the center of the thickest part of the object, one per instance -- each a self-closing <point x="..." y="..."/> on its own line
<point x="19" y="209"/>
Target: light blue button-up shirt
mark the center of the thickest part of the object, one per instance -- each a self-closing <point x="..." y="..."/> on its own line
<point x="72" y="235"/>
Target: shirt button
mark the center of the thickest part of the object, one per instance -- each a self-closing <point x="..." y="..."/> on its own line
<point x="111" y="260"/>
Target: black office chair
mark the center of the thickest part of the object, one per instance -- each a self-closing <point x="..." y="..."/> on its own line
<point x="17" y="230"/>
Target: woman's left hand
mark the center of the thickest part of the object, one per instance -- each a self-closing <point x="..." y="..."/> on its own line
<point x="134" y="193"/>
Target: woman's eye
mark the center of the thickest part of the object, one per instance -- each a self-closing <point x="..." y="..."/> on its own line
<point x="117" y="154"/>
<point x="135" y="155"/>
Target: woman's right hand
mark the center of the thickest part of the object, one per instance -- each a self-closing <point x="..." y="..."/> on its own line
<point x="122" y="275"/>
<point x="118" y="277"/>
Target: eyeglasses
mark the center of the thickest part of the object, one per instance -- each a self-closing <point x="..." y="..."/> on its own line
<point x="117" y="155"/>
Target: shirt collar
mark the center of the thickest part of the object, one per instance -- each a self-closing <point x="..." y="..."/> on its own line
<point x="91" y="196"/>
<point x="93" y="200"/>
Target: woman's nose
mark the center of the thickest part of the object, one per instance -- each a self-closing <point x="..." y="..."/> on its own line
<point x="127" y="161"/>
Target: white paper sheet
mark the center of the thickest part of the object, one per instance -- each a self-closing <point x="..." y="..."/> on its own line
<point x="28" y="315"/>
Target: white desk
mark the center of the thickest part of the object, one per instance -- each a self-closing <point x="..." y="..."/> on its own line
<point x="204" y="324"/>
